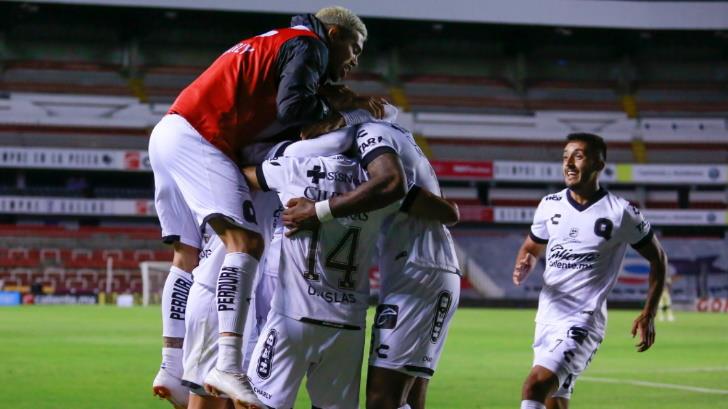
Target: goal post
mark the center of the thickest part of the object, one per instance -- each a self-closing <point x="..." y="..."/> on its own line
<point x="154" y="273"/>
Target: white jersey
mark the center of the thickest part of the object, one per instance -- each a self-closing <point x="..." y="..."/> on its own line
<point x="585" y="247"/>
<point x="426" y="243"/>
<point x="323" y="274"/>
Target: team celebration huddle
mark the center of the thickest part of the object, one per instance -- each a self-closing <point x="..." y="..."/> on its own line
<point x="280" y="189"/>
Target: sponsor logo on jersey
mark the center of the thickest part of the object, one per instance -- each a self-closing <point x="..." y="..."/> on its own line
<point x="565" y="258"/>
<point x="180" y="292"/>
<point x="265" y="361"/>
<point x="444" y="300"/>
<point x="332" y="297"/>
<point x="263" y="393"/>
<point x="554" y="197"/>
<point x="316" y="174"/>
<point x="366" y="143"/>
<point x="386" y="316"/>
<point x="643" y="226"/>
<point x="317" y="195"/>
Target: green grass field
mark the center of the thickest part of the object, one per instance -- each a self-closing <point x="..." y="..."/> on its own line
<point x="106" y="357"/>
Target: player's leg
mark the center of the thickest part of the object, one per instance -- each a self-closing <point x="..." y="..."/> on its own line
<point x="418" y="393"/>
<point x="215" y="191"/>
<point x="561" y="354"/>
<point x="234" y="286"/>
<point x="387" y="388"/>
<point x="333" y="380"/>
<point x="179" y="228"/>
<point x="279" y="361"/>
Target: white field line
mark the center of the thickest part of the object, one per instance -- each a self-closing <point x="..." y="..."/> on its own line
<point x="656" y="385"/>
<point x="664" y="370"/>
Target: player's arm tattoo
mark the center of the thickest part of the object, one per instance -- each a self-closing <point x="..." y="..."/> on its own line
<point x="526" y="259"/>
<point x="644" y="323"/>
<point x="424" y="204"/>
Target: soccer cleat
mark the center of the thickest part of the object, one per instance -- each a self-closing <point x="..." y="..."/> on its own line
<point x="235" y="385"/>
<point x="169" y="387"/>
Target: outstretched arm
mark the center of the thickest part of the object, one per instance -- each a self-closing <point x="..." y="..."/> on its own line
<point x="426" y="205"/>
<point x="386" y="185"/>
<point x="644" y="324"/>
<point x="526" y="259"/>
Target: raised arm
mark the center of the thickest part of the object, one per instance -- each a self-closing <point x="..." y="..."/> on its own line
<point x="644" y="324"/>
<point x="526" y="259"/>
<point x="424" y="204"/>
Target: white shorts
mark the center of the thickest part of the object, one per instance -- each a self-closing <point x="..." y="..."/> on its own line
<point x="194" y="182"/>
<point x="201" y="333"/>
<point x="288" y="350"/>
<point x="565" y="350"/>
<point x="258" y="312"/>
<point x="412" y="320"/>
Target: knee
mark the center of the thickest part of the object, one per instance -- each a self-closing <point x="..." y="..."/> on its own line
<point x="379" y="400"/>
<point x="539" y="386"/>
<point x="185" y="257"/>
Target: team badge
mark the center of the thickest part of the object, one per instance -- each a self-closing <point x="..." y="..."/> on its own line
<point x="386" y="317"/>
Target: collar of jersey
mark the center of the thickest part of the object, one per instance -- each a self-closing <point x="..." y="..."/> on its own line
<point x="581" y="207"/>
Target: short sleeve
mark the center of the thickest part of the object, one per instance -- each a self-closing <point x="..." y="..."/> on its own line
<point x="635" y="229"/>
<point x="373" y="140"/>
<point x="272" y="174"/>
<point x="539" y="229"/>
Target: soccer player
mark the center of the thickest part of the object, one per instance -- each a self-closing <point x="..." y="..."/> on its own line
<point x="424" y="250"/>
<point x="584" y="231"/>
<point x="254" y="90"/>
<point x="315" y="327"/>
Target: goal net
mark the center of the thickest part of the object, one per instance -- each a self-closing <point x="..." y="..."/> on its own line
<point x="154" y="273"/>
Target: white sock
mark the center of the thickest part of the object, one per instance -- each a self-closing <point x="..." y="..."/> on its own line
<point x="234" y="285"/>
<point x="406" y="406"/>
<point x="172" y="361"/>
<point x="532" y="404"/>
<point x="230" y="354"/>
<point x="174" y="302"/>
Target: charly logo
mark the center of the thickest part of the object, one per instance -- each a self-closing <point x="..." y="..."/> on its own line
<point x="386" y="317"/>
<point x="444" y="300"/>
<point x="265" y="361"/>
<point x="555" y="218"/>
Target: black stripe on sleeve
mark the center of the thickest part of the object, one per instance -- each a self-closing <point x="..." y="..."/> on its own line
<point x="536" y="238"/>
<point x="282" y="149"/>
<point x="375" y="153"/>
<point x="261" y="178"/>
<point x="410" y="198"/>
<point x="643" y="241"/>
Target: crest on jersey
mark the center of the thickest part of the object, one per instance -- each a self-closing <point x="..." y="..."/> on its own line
<point x="265" y="361"/>
<point x="573" y="232"/>
<point x="386" y="317"/>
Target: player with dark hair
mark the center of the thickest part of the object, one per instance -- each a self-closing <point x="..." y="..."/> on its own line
<point x="583" y="231"/>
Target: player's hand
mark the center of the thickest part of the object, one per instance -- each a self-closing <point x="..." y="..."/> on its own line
<point x="523" y="268"/>
<point x="375" y="105"/>
<point x="645" y="325"/>
<point x="319" y="128"/>
<point x="300" y="214"/>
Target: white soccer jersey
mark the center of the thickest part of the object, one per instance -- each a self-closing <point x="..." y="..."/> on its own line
<point x="426" y="243"/>
<point x="585" y="247"/>
<point x="323" y="274"/>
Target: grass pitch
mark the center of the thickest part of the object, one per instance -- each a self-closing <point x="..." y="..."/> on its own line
<point x="84" y="357"/>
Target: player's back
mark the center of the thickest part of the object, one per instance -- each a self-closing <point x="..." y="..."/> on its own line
<point x="324" y="274"/>
<point x="405" y="238"/>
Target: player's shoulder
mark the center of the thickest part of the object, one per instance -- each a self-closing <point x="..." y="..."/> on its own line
<point x="620" y="203"/>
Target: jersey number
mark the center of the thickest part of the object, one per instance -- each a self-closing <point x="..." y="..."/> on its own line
<point x="341" y="258"/>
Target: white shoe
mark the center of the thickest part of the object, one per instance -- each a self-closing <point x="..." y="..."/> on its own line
<point x="168" y="386"/>
<point x="235" y="385"/>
